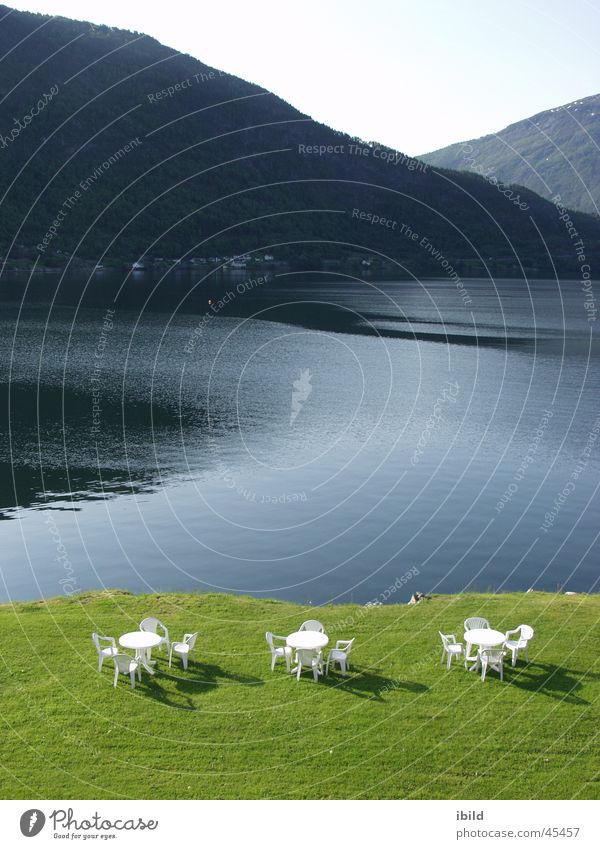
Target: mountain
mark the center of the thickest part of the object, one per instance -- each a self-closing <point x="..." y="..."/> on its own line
<point x="556" y="152"/>
<point x="112" y="144"/>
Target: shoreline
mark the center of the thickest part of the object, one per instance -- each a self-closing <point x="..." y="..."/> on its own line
<point x="86" y="596"/>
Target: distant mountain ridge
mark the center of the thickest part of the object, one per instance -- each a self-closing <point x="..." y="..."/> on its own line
<point x="116" y="145"/>
<point x="556" y="152"/>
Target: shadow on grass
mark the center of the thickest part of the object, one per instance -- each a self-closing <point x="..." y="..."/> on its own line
<point x="550" y="680"/>
<point x="368" y="684"/>
<point x="200" y="678"/>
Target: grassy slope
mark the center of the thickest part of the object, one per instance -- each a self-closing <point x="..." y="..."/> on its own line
<point x="399" y="727"/>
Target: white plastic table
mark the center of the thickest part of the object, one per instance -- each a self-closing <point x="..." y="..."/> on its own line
<point x="142" y="642"/>
<point x="485" y="638"/>
<point x="308" y="640"/>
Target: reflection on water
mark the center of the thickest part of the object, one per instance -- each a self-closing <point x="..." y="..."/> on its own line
<point x="297" y="437"/>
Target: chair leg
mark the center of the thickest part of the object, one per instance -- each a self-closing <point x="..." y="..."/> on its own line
<point x="139" y="671"/>
<point x="132" y="676"/>
<point x="100" y="662"/>
<point x="273" y="659"/>
<point x="170" y="656"/>
<point x="449" y="661"/>
<point x="343" y="667"/>
<point x="502" y="672"/>
<point x="299" y="671"/>
<point x="483" y="671"/>
<point x="116" y="676"/>
<point x="288" y="658"/>
<point x="184" y="660"/>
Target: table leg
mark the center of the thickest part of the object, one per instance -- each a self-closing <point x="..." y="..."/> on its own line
<point x="142" y="657"/>
<point x="476" y="665"/>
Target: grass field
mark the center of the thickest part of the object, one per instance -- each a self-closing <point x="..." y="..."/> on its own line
<point x="399" y="726"/>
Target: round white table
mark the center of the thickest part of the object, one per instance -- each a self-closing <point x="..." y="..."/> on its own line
<point x="310" y="640"/>
<point x="485" y="638"/>
<point x="141" y="642"/>
<point x="307" y="640"/>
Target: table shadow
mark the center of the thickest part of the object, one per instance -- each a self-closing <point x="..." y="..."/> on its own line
<point x="549" y="680"/>
<point x="199" y="678"/>
<point x="369" y="684"/>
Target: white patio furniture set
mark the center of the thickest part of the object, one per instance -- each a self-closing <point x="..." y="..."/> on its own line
<point x="152" y="634"/>
<point x="492" y="646"/>
<point x="306" y="646"/>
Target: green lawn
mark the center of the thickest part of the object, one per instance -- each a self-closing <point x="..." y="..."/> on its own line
<point x="399" y="727"/>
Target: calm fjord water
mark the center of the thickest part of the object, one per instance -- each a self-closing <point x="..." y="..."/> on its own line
<point x="309" y="438"/>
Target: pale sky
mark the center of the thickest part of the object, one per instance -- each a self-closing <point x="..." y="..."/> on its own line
<point x="413" y="74"/>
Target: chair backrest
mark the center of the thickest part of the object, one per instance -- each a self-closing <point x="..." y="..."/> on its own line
<point x="493" y="655"/>
<point x="476" y="622"/>
<point x="151" y="623"/>
<point x="190" y="639"/>
<point x="446" y="639"/>
<point x="97" y="637"/>
<point x="122" y="662"/>
<point x="526" y="632"/>
<point x="306" y="656"/>
<point x="312" y="625"/>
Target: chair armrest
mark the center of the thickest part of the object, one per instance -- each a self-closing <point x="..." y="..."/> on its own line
<point x="341" y="645"/>
<point x="509" y="633"/>
<point x="110" y="640"/>
<point x="277" y="637"/>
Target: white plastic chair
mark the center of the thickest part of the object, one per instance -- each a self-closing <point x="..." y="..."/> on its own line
<point x="284" y="651"/>
<point x="184" y="649"/>
<point x="525" y="633"/>
<point x="125" y="664"/>
<point x="312" y="625"/>
<point x="450" y="648"/>
<point x="491" y="659"/>
<point x="476" y="622"/>
<point x="152" y="624"/>
<point x="340" y="655"/>
<point x="107" y="651"/>
<point x="470" y="624"/>
<point x="309" y="659"/>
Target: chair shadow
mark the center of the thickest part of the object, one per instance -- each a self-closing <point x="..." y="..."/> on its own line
<point x="368" y="684"/>
<point x="549" y="680"/>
